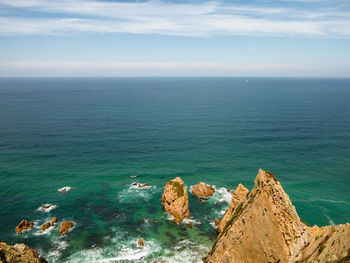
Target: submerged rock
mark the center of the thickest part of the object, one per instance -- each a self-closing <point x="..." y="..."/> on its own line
<point x="24" y="225"/>
<point x="65" y="226"/>
<point x="64" y="189"/>
<point x="238" y="196"/>
<point x="140" y="185"/>
<point x="175" y="200"/>
<point x="140" y="242"/>
<point x="265" y="227"/>
<point x="47" y="208"/>
<point x="18" y="253"/>
<point x="203" y="190"/>
<point x="45" y="226"/>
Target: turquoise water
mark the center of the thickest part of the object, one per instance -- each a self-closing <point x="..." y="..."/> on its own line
<point x="92" y="134"/>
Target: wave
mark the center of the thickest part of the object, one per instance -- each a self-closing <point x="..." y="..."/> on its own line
<point x="47" y="208"/>
<point x="64" y="189"/>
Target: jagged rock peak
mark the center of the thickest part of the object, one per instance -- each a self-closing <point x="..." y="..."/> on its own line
<point x="175" y="200"/>
<point x="237" y="197"/>
<point x="18" y="253"/>
<point x="265" y="227"/>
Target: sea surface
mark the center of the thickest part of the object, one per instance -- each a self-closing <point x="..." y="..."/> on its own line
<point x="92" y="134"/>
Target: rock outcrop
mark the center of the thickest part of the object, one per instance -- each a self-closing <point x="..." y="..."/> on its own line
<point x="265" y="227"/>
<point x="238" y="196"/>
<point x="53" y="221"/>
<point x="175" y="199"/>
<point x="65" y="226"/>
<point x="24" y="225"/>
<point x="45" y="226"/>
<point x="18" y="253"/>
<point x="203" y="190"/>
<point x="140" y="242"/>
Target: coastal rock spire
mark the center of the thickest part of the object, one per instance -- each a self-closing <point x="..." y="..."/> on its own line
<point x="175" y="199"/>
<point x="237" y="197"/>
<point x="265" y="227"/>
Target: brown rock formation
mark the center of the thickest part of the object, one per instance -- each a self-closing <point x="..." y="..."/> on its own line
<point x="216" y="221"/>
<point x="175" y="199"/>
<point x="265" y="227"/>
<point x="45" y="226"/>
<point x="140" y="242"/>
<point x="238" y="195"/>
<point x="203" y="190"/>
<point x="53" y="221"/>
<point x="24" y="225"/>
<point x="18" y="253"/>
<point x="65" y="226"/>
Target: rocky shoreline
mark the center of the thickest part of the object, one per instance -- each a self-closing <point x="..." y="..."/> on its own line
<point x="260" y="225"/>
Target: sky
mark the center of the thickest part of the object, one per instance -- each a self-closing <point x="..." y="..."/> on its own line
<point x="264" y="38"/>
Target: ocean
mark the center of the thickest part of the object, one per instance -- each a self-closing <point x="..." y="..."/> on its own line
<point x="92" y="134"/>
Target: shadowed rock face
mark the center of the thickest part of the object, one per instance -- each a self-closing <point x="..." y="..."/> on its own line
<point x="265" y="227"/>
<point x="175" y="199"/>
<point x="24" y="225"/>
<point x="18" y="253"/>
<point x="238" y="196"/>
<point x="203" y="190"/>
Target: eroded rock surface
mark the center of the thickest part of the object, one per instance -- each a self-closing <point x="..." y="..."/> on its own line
<point x="65" y="226"/>
<point x="45" y="226"/>
<point x="175" y="199"/>
<point x="238" y="196"/>
<point x="265" y="227"/>
<point x="203" y="190"/>
<point x="18" y="253"/>
<point x="24" y="225"/>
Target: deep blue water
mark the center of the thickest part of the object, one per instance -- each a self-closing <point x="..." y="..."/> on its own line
<point x="93" y="133"/>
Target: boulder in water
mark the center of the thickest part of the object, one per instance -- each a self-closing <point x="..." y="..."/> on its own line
<point x="140" y="242"/>
<point x="24" y="225"/>
<point x="203" y="190"/>
<point x="45" y="226"/>
<point x="65" y="226"/>
<point x="175" y="200"/>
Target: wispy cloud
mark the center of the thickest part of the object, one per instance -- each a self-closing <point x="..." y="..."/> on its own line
<point x="156" y="17"/>
<point x="175" y="68"/>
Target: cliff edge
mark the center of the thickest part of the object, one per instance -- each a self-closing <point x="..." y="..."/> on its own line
<point x="263" y="226"/>
<point x="18" y="253"/>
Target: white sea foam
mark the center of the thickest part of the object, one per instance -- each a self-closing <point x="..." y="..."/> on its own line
<point x="169" y="216"/>
<point x="188" y="252"/>
<point x="134" y="193"/>
<point x="128" y="252"/>
<point x="137" y="185"/>
<point x="64" y="189"/>
<point x="47" y="208"/>
<point x="331" y="222"/>
<point x="55" y="252"/>
<point x="191" y="220"/>
<point x="222" y="195"/>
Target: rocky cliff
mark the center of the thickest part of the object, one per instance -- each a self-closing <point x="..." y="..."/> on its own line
<point x="263" y="226"/>
<point x="18" y="253"/>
